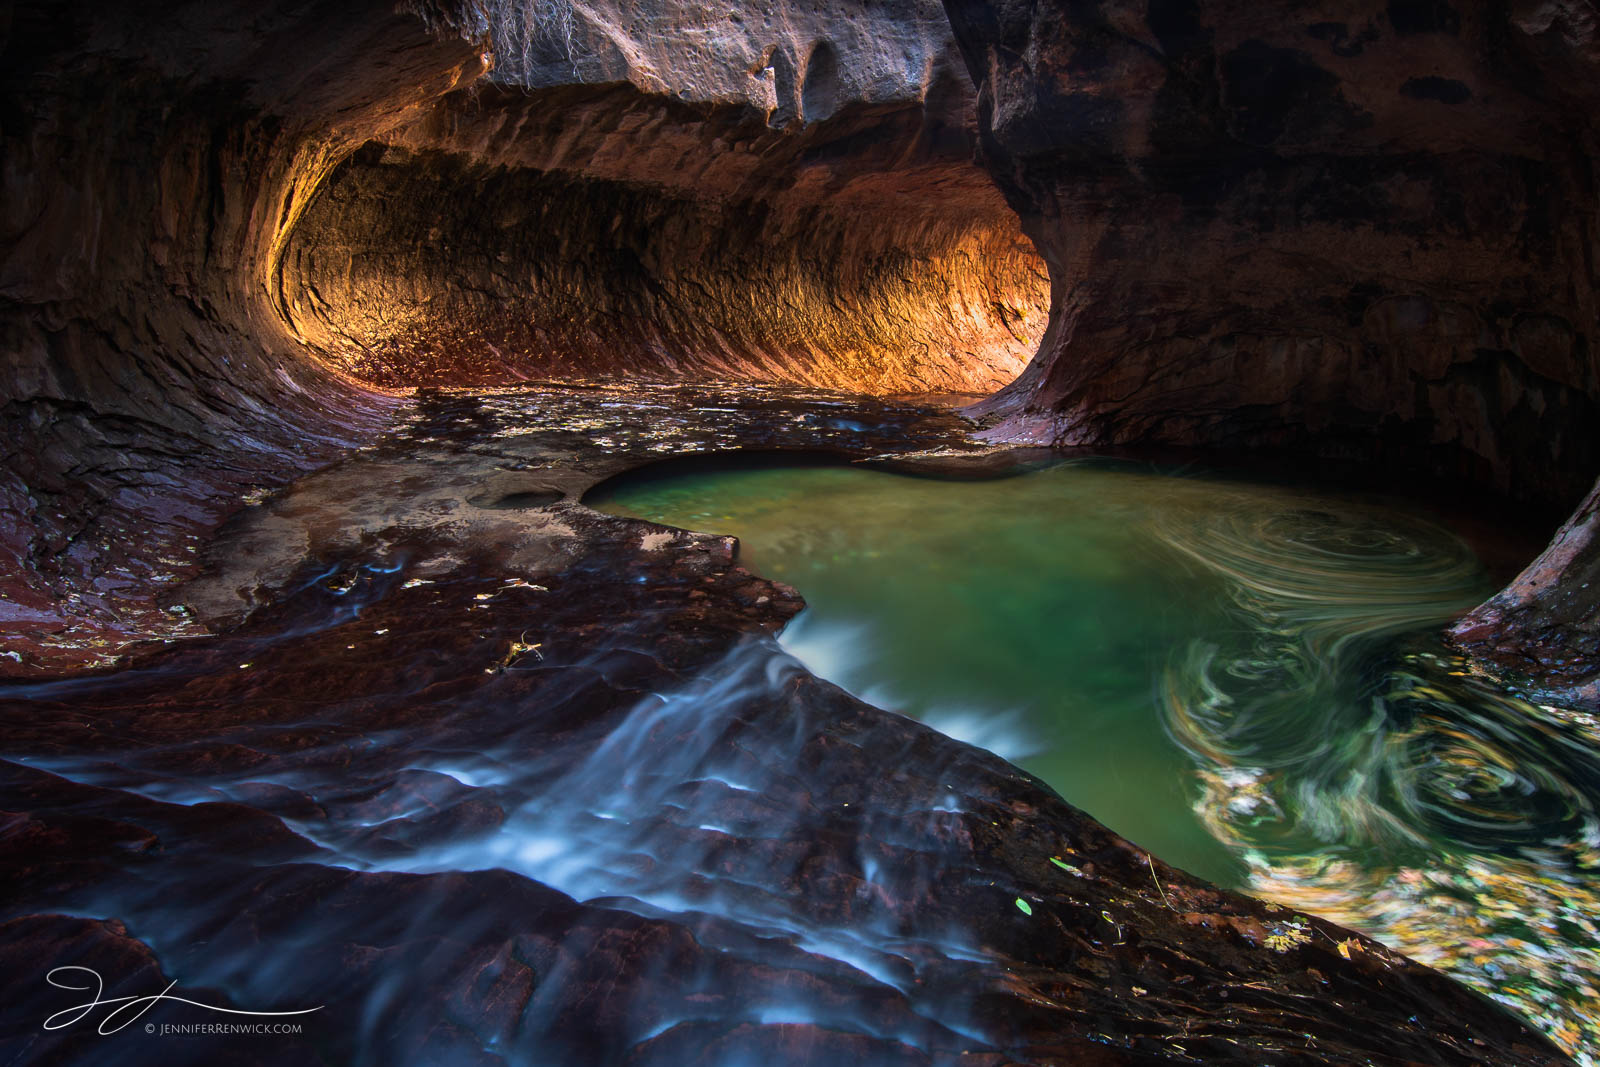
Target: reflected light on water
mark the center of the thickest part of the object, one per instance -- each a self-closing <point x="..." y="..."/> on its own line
<point x="843" y="653"/>
<point x="1382" y="783"/>
<point x="1240" y="677"/>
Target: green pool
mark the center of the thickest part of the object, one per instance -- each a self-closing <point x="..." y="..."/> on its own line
<point x="1239" y="676"/>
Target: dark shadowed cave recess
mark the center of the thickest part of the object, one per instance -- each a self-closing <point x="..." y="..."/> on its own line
<point x="234" y="235"/>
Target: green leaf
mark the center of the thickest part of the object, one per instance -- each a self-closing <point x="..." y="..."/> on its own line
<point x="1022" y="906"/>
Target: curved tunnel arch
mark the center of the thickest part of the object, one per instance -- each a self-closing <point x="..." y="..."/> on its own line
<point x="216" y="267"/>
<point x="853" y="253"/>
<point x="175" y="321"/>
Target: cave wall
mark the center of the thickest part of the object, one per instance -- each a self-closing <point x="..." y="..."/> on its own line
<point x="673" y="193"/>
<point x="153" y="168"/>
<point x="226" y="228"/>
<point x="862" y="254"/>
<point x="1362" y="230"/>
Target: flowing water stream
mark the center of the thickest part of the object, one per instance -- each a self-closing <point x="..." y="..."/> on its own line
<point x="489" y="774"/>
<point x="1239" y="676"/>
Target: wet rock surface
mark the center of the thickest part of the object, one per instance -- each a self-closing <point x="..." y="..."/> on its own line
<point x="432" y="645"/>
<point x="1545" y="626"/>
<point x="209" y="220"/>
<point x="153" y="169"/>
<point x="491" y="788"/>
<point x="506" y="468"/>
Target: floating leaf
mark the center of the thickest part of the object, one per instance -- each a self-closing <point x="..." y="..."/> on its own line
<point x="1022" y="906"/>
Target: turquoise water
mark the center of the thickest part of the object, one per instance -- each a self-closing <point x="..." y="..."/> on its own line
<point x="1029" y="616"/>
<point x="1239" y="677"/>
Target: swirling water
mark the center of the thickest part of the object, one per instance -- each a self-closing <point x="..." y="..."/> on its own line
<point x="1241" y="677"/>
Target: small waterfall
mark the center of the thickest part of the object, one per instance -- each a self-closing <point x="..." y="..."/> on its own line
<point x="654" y="819"/>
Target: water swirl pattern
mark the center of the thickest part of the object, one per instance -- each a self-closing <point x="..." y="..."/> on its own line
<point x="1241" y="677"/>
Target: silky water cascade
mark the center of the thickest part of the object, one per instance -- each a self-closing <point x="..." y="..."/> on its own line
<point x="981" y="532"/>
<point x="1258" y="690"/>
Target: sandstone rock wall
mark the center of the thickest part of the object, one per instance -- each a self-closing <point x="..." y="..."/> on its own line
<point x="793" y="60"/>
<point x="590" y="232"/>
<point x="1362" y="230"/>
<point x="153" y="168"/>
<point x="674" y="191"/>
<point x="201" y="277"/>
<point x="1359" y="229"/>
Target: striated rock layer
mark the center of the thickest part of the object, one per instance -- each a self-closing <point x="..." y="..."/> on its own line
<point x="153" y="172"/>
<point x="1357" y="230"/>
<point x="784" y="194"/>
<point x="586" y="231"/>
<point x="221" y="229"/>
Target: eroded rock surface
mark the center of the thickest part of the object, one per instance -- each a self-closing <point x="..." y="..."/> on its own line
<point x="153" y="170"/>
<point x="1358" y="229"/>
<point x="783" y="195"/>
<point x="1363" y="231"/>
<point x="1545" y="625"/>
<point x="214" y="220"/>
<point x="210" y="217"/>
<point x="491" y="784"/>
<point x="432" y="268"/>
